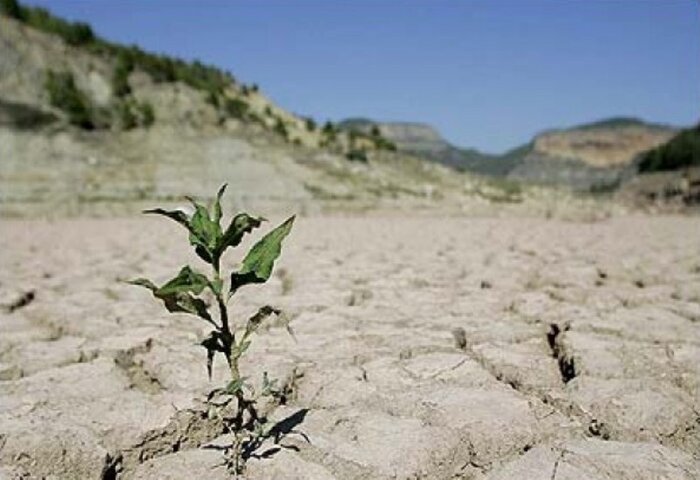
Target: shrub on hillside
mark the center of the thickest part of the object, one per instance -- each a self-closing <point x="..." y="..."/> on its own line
<point x="236" y="108"/>
<point x="120" y="76"/>
<point x="310" y="124"/>
<point x="383" y="144"/>
<point x="329" y="129"/>
<point x="357" y="155"/>
<point x="213" y="99"/>
<point x="148" y="117"/>
<point x="131" y="114"/>
<point x="127" y="117"/>
<point x="281" y="129"/>
<point x="64" y="95"/>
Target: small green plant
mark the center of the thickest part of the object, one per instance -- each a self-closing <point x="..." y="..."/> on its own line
<point x="184" y="293"/>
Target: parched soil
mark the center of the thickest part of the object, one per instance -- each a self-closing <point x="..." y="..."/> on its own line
<point x="423" y="348"/>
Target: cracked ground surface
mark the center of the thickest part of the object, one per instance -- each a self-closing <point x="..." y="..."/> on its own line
<point x="429" y="348"/>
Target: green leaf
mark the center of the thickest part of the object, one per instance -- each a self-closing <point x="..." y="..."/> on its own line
<point x="216" y="207"/>
<point x="184" y="302"/>
<point x="205" y="233"/>
<point x="181" y="218"/>
<point x="258" y="263"/>
<point x="239" y="226"/>
<point x="177" y="215"/>
<point x="176" y="296"/>
<point x="187" y="280"/>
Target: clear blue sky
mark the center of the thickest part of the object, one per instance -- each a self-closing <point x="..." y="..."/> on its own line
<point x="486" y="73"/>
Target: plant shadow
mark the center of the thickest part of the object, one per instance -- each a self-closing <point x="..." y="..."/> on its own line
<point x="279" y="431"/>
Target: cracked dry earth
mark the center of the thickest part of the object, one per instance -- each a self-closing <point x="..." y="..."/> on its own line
<point x="426" y="348"/>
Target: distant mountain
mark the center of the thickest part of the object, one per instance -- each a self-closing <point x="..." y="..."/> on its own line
<point x="592" y="156"/>
<point x="424" y="141"/>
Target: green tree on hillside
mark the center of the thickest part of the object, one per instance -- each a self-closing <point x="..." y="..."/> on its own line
<point x="310" y="124"/>
<point x="11" y="8"/>
<point x="681" y="151"/>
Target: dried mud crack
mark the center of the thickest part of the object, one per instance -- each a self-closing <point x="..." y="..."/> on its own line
<point x="430" y="374"/>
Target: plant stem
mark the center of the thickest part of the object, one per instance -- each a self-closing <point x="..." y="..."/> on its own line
<point x="228" y="337"/>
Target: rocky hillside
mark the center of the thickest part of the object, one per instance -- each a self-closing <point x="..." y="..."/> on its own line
<point x="604" y="144"/>
<point x="669" y="173"/>
<point x="91" y="127"/>
<point x="596" y="156"/>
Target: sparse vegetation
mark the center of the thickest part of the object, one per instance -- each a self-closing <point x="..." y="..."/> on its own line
<point x="185" y="294"/>
<point x="64" y="95"/>
<point x="213" y="82"/>
<point x="681" y="151"/>
<point x="364" y="129"/>
<point x="160" y="68"/>
<point x="74" y="33"/>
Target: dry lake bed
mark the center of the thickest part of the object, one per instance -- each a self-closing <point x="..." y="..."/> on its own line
<point x="423" y="348"/>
